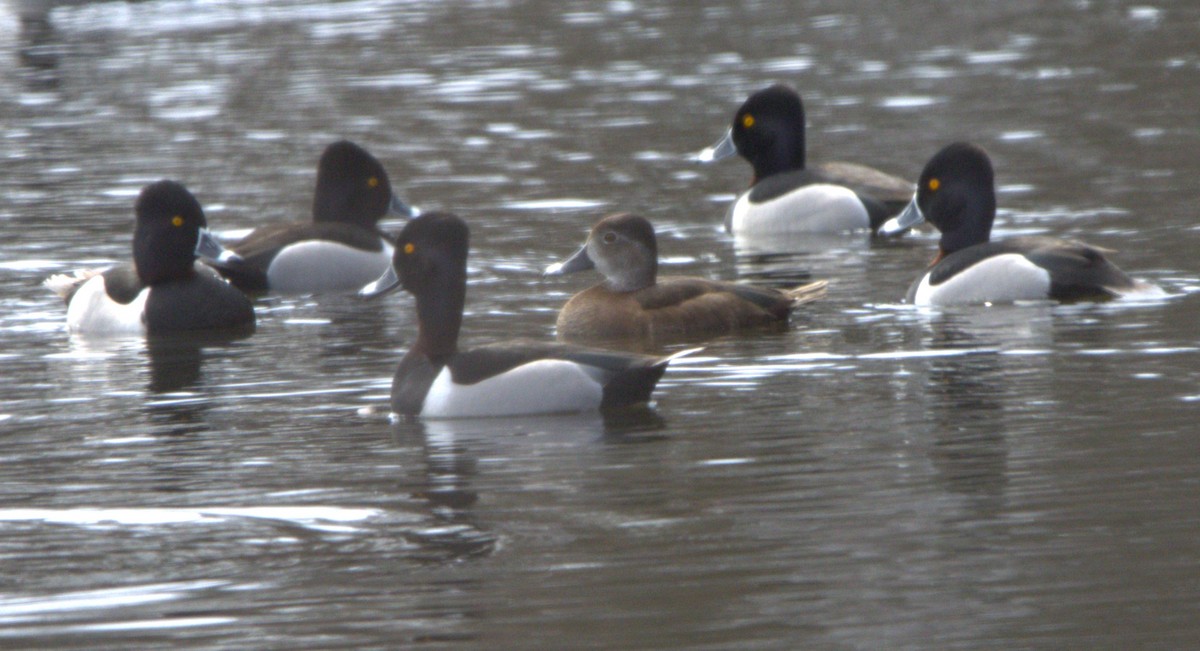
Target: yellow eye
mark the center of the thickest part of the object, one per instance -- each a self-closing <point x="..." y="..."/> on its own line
<point x="177" y="221"/>
<point x="934" y="184"/>
<point x="409" y="248"/>
<point x="372" y="182"/>
<point x="747" y="120"/>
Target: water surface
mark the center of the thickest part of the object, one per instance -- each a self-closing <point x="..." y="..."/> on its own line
<point x="878" y="476"/>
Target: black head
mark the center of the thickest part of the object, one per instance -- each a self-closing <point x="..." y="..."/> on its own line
<point x="957" y="194"/>
<point x="431" y="262"/>
<point x="167" y="229"/>
<point x="768" y="130"/>
<point x="352" y="186"/>
<point x="431" y="250"/>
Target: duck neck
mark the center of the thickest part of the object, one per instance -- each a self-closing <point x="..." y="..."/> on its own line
<point x="974" y="223"/>
<point x="631" y="280"/>
<point x="786" y="154"/>
<point x="439" y="317"/>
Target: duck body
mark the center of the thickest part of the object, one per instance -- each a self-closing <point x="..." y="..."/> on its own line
<point x="437" y="380"/>
<point x="311" y="257"/>
<point x="634" y="304"/>
<point x="793" y="203"/>
<point x="164" y="290"/>
<point x="116" y="302"/>
<point x="787" y="196"/>
<point x="342" y="248"/>
<point x="517" y="378"/>
<point x="956" y="193"/>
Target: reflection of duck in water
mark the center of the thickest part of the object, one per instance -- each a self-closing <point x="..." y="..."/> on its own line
<point x="789" y="196"/>
<point x="38" y="52"/>
<point x="633" y="304"/>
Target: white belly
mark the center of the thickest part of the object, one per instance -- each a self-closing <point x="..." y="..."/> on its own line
<point x="818" y="208"/>
<point x="92" y="312"/>
<point x="541" y="387"/>
<point x="998" y="279"/>
<point x="322" y="266"/>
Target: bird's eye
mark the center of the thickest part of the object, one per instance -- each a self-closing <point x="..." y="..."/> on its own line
<point x="609" y="237"/>
<point x="934" y="184"/>
<point x="177" y="221"/>
<point x="372" y="182"/>
<point x="747" y="120"/>
<point x="409" y="248"/>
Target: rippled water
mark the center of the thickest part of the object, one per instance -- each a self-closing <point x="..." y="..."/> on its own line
<point x="877" y="477"/>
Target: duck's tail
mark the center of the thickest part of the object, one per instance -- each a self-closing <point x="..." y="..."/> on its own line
<point x="807" y="293"/>
<point x="65" y="285"/>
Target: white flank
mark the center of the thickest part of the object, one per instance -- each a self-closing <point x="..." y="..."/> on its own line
<point x="998" y="279"/>
<point x="819" y="208"/>
<point x="92" y="312"/>
<point x="321" y="266"/>
<point x="543" y="387"/>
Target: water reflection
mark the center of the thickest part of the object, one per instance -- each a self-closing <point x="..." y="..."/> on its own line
<point x="453" y="450"/>
<point x="876" y="476"/>
<point x="38" y="52"/>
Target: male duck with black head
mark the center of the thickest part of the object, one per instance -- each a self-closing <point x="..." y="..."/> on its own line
<point x="437" y="380"/>
<point x="956" y="193"/>
<point x="634" y="305"/>
<point x="164" y="291"/>
<point x="342" y="247"/>
<point x="789" y="196"/>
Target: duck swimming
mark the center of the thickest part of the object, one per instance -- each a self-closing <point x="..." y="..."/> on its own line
<point x="786" y="194"/>
<point x="436" y="379"/>
<point x="634" y="304"/>
<point x="956" y="193"/>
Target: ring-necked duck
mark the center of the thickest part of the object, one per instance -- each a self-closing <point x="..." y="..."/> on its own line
<point x="164" y="290"/>
<point x="342" y="248"/>
<point x="632" y="303"/>
<point x="956" y="193"/>
<point x="785" y="195"/>
<point x="437" y="380"/>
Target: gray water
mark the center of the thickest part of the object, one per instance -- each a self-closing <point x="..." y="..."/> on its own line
<point x="877" y="477"/>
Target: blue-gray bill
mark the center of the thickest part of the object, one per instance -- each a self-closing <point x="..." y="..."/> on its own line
<point x="911" y="216"/>
<point x="579" y="261"/>
<point x="211" y="251"/>
<point x="401" y="208"/>
<point x="389" y="281"/>
<point x="721" y="149"/>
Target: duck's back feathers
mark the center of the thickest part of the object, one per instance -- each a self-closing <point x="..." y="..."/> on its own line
<point x="122" y="283"/>
<point x="201" y="303"/>
<point x="677" y="308"/>
<point x="891" y="191"/>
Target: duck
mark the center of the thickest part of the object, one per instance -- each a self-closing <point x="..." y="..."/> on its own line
<point x="436" y="379"/>
<point x="956" y="193"/>
<point x="633" y="304"/>
<point x="164" y="290"/>
<point x="342" y="248"/>
<point x="787" y="196"/>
